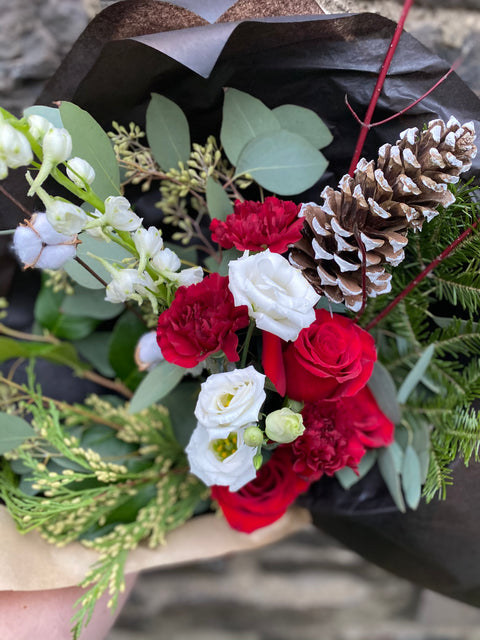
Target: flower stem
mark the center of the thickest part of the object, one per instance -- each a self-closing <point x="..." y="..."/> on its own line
<point x="416" y="281"/>
<point x="14" y="201"/>
<point x="246" y="344"/>
<point x="365" y="125"/>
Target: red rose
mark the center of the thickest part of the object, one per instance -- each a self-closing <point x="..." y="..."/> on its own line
<point x="255" y="226"/>
<point x="337" y="434"/>
<point x="333" y="357"/>
<point x="266" y="498"/>
<point x="201" y="320"/>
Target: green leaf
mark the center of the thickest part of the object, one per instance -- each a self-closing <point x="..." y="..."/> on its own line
<point x="218" y="203"/>
<point x="244" y="118"/>
<point x="222" y="268"/>
<point x="90" y="303"/>
<point x="305" y="122"/>
<point x="95" y="349"/>
<point x="388" y="460"/>
<point x="58" y="353"/>
<point x="125" y="335"/>
<point x="282" y="162"/>
<point x="415" y="375"/>
<point x="156" y="385"/>
<point x="347" y="476"/>
<point x="47" y="313"/>
<point x="91" y="143"/>
<point x="110" y="251"/>
<point x="52" y="114"/>
<point x="13" y="432"/>
<point x="411" y="478"/>
<point x="382" y="386"/>
<point x="181" y="404"/>
<point x="167" y="132"/>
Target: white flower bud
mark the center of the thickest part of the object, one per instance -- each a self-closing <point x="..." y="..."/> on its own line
<point x="15" y="150"/>
<point x="166" y="261"/>
<point x="37" y="244"/>
<point x="38" y="126"/>
<point x="119" y="215"/>
<point x="66" y="217"/>
<point x="123" y="285"/>
<point x="57" y="146"/>
<point x="147" y="352"/>
<point x="148" y="243"/>
<point x="80" y="172"/>
<point x="284" y="425"/>
<point x="190" y="276"/>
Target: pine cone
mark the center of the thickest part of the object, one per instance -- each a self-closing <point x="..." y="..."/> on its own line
<point x="367" y="219"/>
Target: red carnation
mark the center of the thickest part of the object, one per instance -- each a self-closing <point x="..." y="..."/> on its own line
<point x="201" y="320"/>
<point x="337" y="434"/>
<point x="333" y="357"/>
<point x="256" y="226"/>
<point x="266" y="498"/>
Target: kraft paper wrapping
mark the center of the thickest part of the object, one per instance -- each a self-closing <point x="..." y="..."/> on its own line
<point x="29" y="563"/>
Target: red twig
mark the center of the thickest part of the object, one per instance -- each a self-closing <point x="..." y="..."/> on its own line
<point x="378" y="85"/>
<point x="422" y="275"/>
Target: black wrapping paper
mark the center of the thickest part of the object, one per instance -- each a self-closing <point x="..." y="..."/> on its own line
<point x="313" y="61"/>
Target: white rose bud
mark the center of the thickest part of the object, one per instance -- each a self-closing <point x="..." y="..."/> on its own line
<point x="80" y="172"/>
<point x="147" y="352"/>
<point x="66" y="217"/>
<point x="15" y="150"/>
<point x="284" y="425"/>
<point x="226" y="462"/>
<point x="38" y="126"/>
<point x="119" y="215"/>
<point x="278" y="297"/>
<point x="230" y="400"/>
<point x="37" y="244"/>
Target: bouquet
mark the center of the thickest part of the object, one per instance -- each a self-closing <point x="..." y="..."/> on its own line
<point x="251" y="335"/>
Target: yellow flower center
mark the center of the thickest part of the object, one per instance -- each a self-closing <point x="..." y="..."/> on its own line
<point x="224" y="447"/>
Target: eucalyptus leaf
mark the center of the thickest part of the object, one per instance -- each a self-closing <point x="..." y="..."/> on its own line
<point x="305" y="122"/>
<point x="415" y="375"/>
<point x="127" y="331"/>
<point x="91" y="143"/>
<point x="95" y="349"/>
<point x="222" y="268"/>
<point x="167" y="132"/>
<point x="110" y="251"/>
<point x="48" y="314"/>
<point x="90" y="303"/>
<point x="282" y="162"/>
<point x="244" y="118"/>
<point x="14" y="431"/>
<point x="64" y="353"/>
<point x="52" y="114"/>
<point x="382" y="386"/>
<point x="218" y="203"/>
<point x="181" y="404"/>
<point x="389" y="473"/>
<point x="156" y="385"/>
<point x="347" y="476"/>
<point x="411" y="478"/>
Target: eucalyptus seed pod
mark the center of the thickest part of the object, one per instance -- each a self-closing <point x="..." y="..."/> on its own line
<point x="365" y="221"/>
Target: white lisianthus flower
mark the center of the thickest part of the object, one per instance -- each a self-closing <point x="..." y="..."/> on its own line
<point x="15" y="150"/>
<point x="226" y="462"/>
<point x="80" y="172"/>
<point x="284" y="425"/>
<point x="230" y="400"/>
<point x="37" y="244"/>
<point x="119" y="215"/>
<point x="148" y="242"/>
<point x="65" y="217"/>
<point x="278" y="297"/>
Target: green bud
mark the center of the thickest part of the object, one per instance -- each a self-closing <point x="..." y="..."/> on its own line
<point x="257" y="461"/>
<point x="253" y="436"/>
<point x="284" y="425"/>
